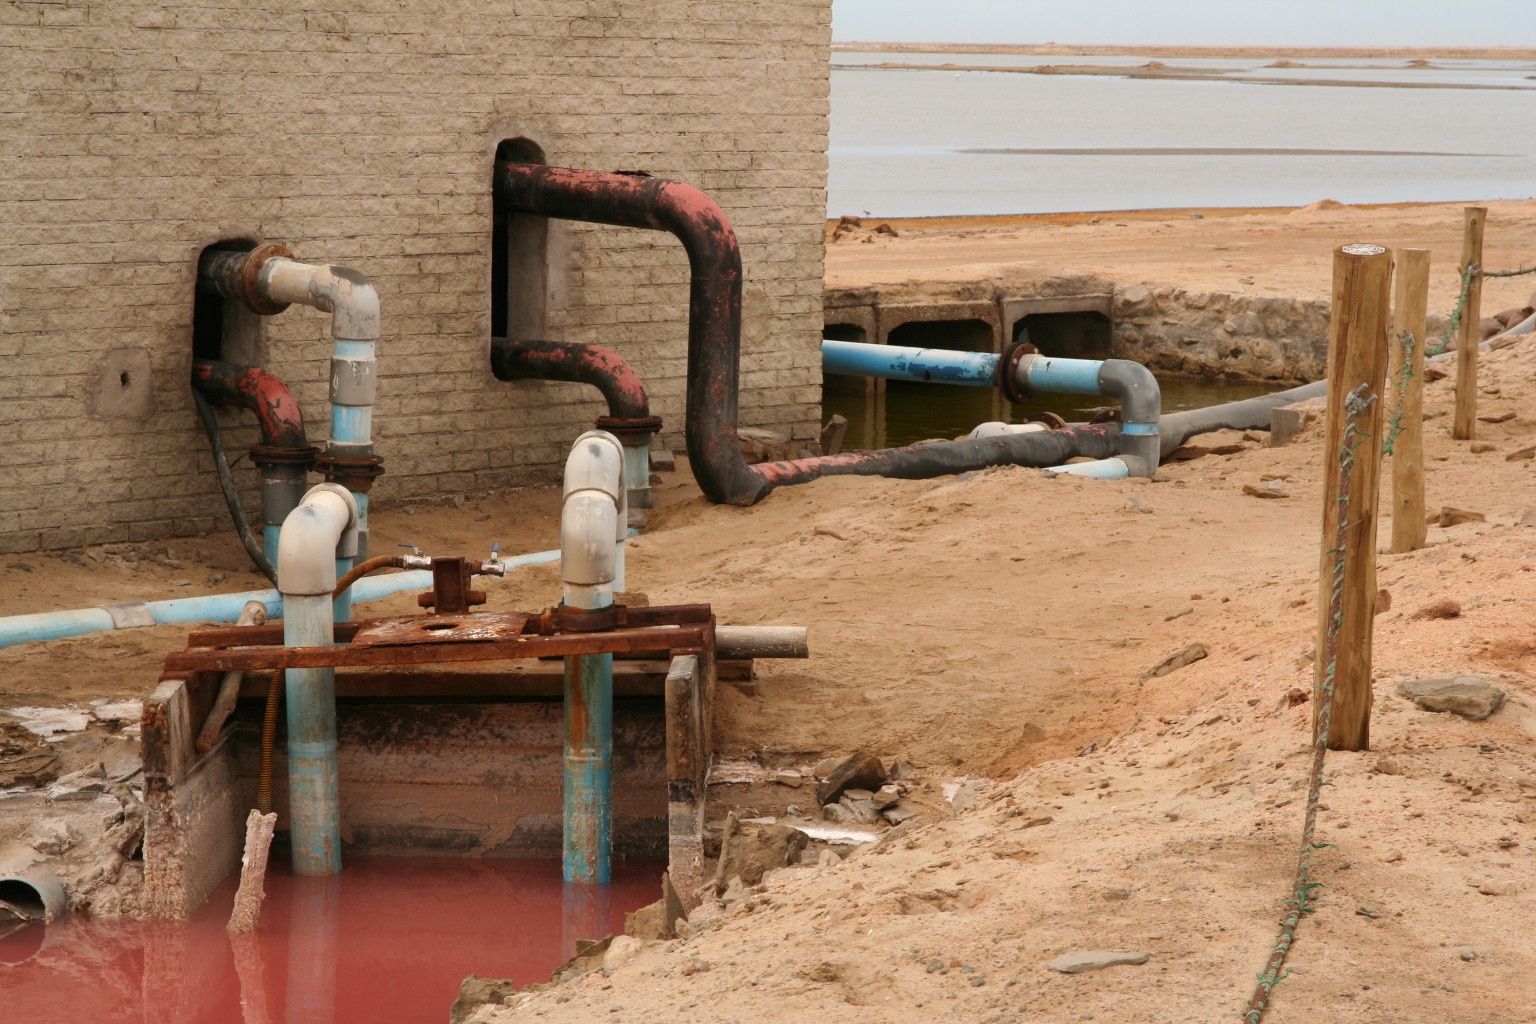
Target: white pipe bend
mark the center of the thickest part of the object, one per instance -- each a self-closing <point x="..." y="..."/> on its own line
<point x="592" y="520"/>
<point x="320" y="530"/>
<point x="347" y="295"/>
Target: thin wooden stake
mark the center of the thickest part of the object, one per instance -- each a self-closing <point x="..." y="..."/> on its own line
<point x="1469" y="335"/>
<point x="1357" y="354"/>
<point x="253" y="872"/>
<point x="1409" y="308"/>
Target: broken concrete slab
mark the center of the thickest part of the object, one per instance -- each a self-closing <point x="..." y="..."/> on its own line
<point x="747" y="850"/>
<point x="1287" y="422"/>
<point x="1468" y="696"/>
<point x="1087" y="960"/>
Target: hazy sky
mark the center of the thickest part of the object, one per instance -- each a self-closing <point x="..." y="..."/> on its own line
<point x="1237" y="22"/>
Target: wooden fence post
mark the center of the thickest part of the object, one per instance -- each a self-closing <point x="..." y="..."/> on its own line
<point x="1406" y="349"/>
<point x="1357" y="354"/>
<point x="1469" y="336"/>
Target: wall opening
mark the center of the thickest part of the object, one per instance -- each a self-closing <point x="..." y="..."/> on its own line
<point x="519" y="258"/>
<point x="959" y="335"/>
<point x="1080" y="335"/>
<point x="842" y="383"/>
<point x="225" y="329"/>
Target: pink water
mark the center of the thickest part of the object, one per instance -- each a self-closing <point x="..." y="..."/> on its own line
<point x="387" y="941"/>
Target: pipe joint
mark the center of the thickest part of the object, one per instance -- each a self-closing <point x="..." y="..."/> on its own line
<point x="322" y="529"/>
<point x="345" y="293"/>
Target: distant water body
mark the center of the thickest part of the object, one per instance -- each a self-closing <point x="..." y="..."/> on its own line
<point x="966" y="141"/>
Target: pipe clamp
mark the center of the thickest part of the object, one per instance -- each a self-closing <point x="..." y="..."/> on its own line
<point x="127" y="614"/>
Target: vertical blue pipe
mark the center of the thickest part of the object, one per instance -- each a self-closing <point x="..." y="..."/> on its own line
<point x="269" y="535"/>
<point x="313" y="800"/>
<point x="588" y="853"/>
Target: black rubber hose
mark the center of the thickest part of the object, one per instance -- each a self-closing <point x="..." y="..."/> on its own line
<point x="231" y="493"/>
<point x="1249" y="414"/>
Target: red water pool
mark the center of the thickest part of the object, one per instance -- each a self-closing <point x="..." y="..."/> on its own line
<point x="387" y="941"/>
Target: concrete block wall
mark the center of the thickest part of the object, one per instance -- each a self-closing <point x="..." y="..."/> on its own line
<point x="361" y="132"/>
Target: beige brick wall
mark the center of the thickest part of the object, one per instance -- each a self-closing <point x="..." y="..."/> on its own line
<point x="133" y="134"/>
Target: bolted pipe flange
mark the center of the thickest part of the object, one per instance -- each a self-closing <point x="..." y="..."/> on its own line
<point x="1050" y="419"/>
<point x="356" y="474"/>
<point x="566" y="619"/>
<point x="1008" y="377"/>
<point x="631" y="431"/>
<point x="250" y="272"/>
<point x="264" y="455"/>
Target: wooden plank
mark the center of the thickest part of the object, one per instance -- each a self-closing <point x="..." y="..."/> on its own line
<point x="1357" y="354"/>
<point x="1406" y="349"/>
<point x="1469" y="336"/>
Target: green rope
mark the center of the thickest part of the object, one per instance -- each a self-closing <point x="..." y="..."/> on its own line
<point x="1355" y="404"/>
<point x="1510" y="273"/>
<point x="1472" y="270"/>
<point x="1467" y="275"/>
<point x="1400" y="396"/>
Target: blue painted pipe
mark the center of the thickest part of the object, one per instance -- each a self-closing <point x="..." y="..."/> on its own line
<point x="16" y="629"/>
<point x="314" y="801"/>
<point x="897" y="362"/>
<point x="1062" y="376"/>
<point x="588" y="787"/>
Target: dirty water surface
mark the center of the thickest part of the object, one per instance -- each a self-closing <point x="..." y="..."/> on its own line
<point x="389" y="940"/>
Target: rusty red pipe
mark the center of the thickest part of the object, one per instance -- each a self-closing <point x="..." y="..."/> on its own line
<point x="635" y="199"/>
<point x="603" y="368"/>
<point x="632" y="199"/>
<point x="283" y="455"/>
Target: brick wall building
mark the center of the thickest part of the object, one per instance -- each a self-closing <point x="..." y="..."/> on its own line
<point x="362" y="132"/>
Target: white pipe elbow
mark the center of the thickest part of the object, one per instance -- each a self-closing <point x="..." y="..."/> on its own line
<point x="596" y="463"/>
<point x="588" y="555"/>
<point x="346" y="294"/>
<point x="320" y="530"/>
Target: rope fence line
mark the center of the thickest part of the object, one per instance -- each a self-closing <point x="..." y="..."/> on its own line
<point x="1472" y="271"/>
<point x="1356" y="403"/>
<point x="1400" y="393"/>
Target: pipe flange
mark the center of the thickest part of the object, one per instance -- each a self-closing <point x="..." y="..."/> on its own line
<point x="356" y="474"/>
<point x="1106" y="416"/>
<point x="264" y="455"/>
<point x="631" y="431"/>
<point x="1007" y="373"/>
<point x="1050" y="419"/>
<point x="250" y="273"/>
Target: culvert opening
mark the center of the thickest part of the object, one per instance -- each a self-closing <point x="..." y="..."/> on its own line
<point x="1077" y="335"/>
<point x="20" y="901"/>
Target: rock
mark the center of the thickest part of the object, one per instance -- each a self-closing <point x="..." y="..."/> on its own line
<point x="837" y="814"/>
<point x="475" y="992"/>
<point x="1498" y="417"/>
<point x="1434" y="373"/>
<point x="747" y="850"/>
<point x="1468" y="955"/>
<point x="1383" y="600"/>
<point x="1188" y="656"/>
<point x="52" y="837"/>
<point x="621" y="951"/>
<point x="1482" y="448"/>
<point x="657" y="920"/>
<point x="1287" y="422"/>
<point x="663" y="461"/>
<point x="1445" y="608"/>
<point x="1273" y="489"/>
<point x="1509" y="317"/>
<point x="857" y="771"/>
<point x="1178" y="614"/>
<point x="47" y="722"/>
<point x="861" y="805"/>
<point x="885" y="796"/>
<point x="1387" y="766"/>
<point x="1448" y="516"/>
<point x="1522" y="455"/>
<point x="1488" y="327"/>
<point x="1134" y="503"/>
<point x="963" y="794"/>
<point x="789" y="777"/>
<point x="903" y="811"/>
<point x="823" y="768"/>
<point x="85" y="784"/>
<point x="1468" y="696"/>
<point x="1096" y="960"/>
<point x="759" y="445"/>
<point x="25" y="759"/>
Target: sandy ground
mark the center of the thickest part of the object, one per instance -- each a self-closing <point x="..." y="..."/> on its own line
<point x="1254" y="252"/>
<point x="997" y="627"/>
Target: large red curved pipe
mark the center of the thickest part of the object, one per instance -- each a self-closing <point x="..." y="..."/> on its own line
<point x="249" y="387"/>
